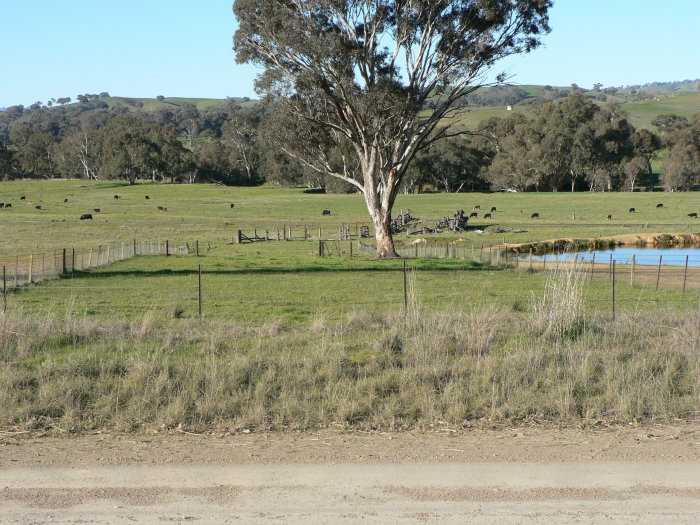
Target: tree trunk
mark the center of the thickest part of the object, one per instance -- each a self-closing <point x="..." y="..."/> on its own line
<point x="385" y="241"/>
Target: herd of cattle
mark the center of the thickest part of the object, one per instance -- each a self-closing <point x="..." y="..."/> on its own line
<point x="474" y="214"/>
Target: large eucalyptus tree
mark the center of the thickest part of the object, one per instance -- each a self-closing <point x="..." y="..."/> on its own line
<point x="352" y="78"/>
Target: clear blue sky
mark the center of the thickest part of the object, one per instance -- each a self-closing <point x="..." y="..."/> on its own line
<point x="56" y="48"/>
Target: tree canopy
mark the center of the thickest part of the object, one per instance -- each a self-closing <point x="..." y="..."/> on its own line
<point x="353" y="77"/>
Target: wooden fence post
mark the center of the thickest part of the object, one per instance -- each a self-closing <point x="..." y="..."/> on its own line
<point x="65" y="270"/>
<point x="31" y="266"/>
<point x="4" y="289"/>
<point x="658" y="273"/>
<point x="685" y="273"/>
<point x="613" y="290"/>
<point x="167" y="248"/>
<point x="592" y="266"/>
<point x="239" y="237"/>
<point x="405" y="290"/>
<point x="72" y="261"/>
<point x="200" y="292"/>
<point x="634" y="260"/>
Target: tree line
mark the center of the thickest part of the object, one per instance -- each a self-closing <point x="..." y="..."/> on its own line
<point x="570" y="143"/>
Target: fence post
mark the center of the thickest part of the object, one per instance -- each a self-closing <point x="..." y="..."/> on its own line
<point x="65" y="270"/>
<point x="530" y="259"/>
<point x="167" y="247"/>
<point x="658" y="273"/>
<point x="320" y="248"/>
<point x="544" y="262"/>
<point x="351" y="249"/>
<point x="592" y="266"/>
<point x="685" y="273"/>
<point x="634" y="260"/>
<point x="4" y="289"/>
<point x="134" y="249"/>
<point x="610" y="268"/>
<point x="613" y="290"/>
<point x="197" y="247"/>
<point x="72" y="261"/>
<point x="31" y="267"/>
<point x="405" y="290"/>
<point x="200" y="292"/>
<point x="239" y="236"/>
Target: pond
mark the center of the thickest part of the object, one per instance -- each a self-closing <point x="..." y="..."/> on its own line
<point x="642" y="256"/>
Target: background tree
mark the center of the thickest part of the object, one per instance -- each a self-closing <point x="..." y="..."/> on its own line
<point x="356" y="74"/>
<point x="128" y="149"/>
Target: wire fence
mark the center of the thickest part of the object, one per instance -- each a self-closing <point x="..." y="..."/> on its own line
<point x="22" y="270"/>
<point x="676" y="272"/>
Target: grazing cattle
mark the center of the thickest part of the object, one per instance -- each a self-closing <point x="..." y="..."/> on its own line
<point x="487" y="216"/>
<point x="693" y="215"/>
<point x="473" y="215"/>
<point x="22" y="198"/>
<point x="326" y="212"/>
<point x="633" y="210"/>
<point x="117" y="197"/>
<point x="96" y="210"/>
<point x="2" y="204"/>
<point x="147" y="197"/>
<point x="233" y="205"/>
<point x="659" y="205"/>
<point x="86" y="216"/>
<point x="65" y="200"/>
<point x="608" y="216"/>
<point x="493" y="209"/>
<point x="521" y="212"/>
<point x="8" y="205"/>
<point x="38" y="207"/>
<point x="535" y="216"/>
<point x="476" y="208"/>
<point x="162" y="208"/>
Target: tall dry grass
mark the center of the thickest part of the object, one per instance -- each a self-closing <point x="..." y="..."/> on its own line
<point x="396" y="371"/>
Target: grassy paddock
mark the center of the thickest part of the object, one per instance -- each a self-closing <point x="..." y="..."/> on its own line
<point x="75" y="372"/>
<point x="203" y="212"/>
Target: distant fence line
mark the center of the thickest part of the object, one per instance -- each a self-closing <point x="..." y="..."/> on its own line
<point x="21" y="270"/>
<point x="650" y="271"/>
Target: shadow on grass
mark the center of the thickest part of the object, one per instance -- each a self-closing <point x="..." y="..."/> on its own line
<point x="278" y="271"/>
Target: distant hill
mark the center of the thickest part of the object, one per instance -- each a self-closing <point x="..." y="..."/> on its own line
<point x="151" y="104"/>
<point x="643" y="103"/>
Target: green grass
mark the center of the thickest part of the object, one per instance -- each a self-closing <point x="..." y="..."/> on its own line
<point x="203" y="212"/>
<point x="291" y="340"/>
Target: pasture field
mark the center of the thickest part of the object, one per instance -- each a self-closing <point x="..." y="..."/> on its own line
<point x="291" y="340"/>
<point x="203" y="212"/>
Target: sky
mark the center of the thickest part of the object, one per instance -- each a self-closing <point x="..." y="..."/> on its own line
<point x="145" y="48"/>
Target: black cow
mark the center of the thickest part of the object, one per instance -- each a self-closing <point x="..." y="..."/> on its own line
<point x="8" y="205"/>
<point x="608" y="217"/>
<point x="659" y="205"/>
<point x="2" y="204"/>
<point x="473" y="215"/>
<point x="96" y="210"/>
<point x="693" y="215"/>
<point x="535" y="216"/>
<point x="326" y="212"/>
<point x="233" y="205"/>
<point x="65" y="200"/>
<point x="633" y="210"/>
<point x="117" y="197"/>
<point x="147" y="197"/>
<point x="86" y="216"/>
<point x="487" y="216"/>
<point x="38" y="207"/>
<point x="493" y="209"/>
<point x="22" y="198"/>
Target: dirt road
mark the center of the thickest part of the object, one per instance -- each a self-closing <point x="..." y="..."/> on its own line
<point x="543" y="475"/>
